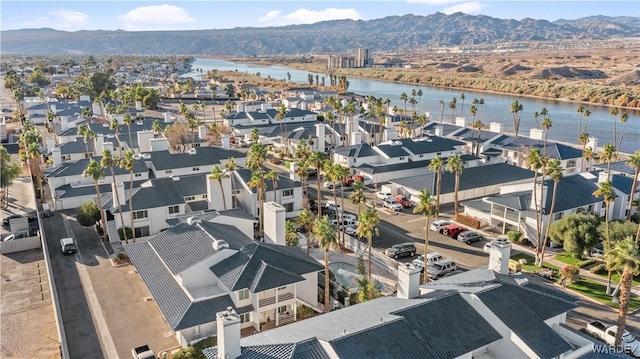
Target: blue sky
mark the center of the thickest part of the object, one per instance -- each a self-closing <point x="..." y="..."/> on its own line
<point x="218" y="14"/>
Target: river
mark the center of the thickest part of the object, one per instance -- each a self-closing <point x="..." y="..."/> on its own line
<point x="496" y="108"/>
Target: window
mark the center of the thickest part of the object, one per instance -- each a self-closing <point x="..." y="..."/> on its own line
<point x="282" y="309"/>
<point x="287" y="192"/>
<point x="420" y="156"/>
<point x="288" y="207"/>
<point x="174" y="209"/>
<point x="243" y="294"/>
<point x="204" y="196"/>
<point x="401" y="158"/>
<point x="140" y="214"/>
<point x="137" y="175"/>
<point x="196" y="169"/>
<point x="168" y="172"/>
<point x="142" y="232"/>
<point x="190" y="198"/>
<point x="245" y="317"/>
<point x="557" y="216"/>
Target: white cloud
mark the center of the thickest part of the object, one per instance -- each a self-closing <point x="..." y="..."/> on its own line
<point x="60" y="19"/>
<point x="470" y="8"/>
<point x="305" y="16"/>
<point x="155" y="17"/>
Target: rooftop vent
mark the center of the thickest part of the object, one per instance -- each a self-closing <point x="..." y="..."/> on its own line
<point x="139" y="123"/>
<point x="175" y="178"/>
<point x="193" y="220"/>
<point x="220" y="244"/>
<point x="146" y="156"/>
<point x="192" y="151"/>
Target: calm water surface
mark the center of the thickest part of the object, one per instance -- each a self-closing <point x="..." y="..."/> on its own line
<point x="496" y="108"/>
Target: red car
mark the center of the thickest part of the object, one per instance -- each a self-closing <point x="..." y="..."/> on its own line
<point x="452" y="230"/>
<point x="403" y="201"/>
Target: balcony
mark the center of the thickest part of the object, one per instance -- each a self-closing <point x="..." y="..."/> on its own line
<point x="263" y="302"/>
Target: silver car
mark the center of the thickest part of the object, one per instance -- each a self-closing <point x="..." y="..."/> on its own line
<point x="392" y="205"/>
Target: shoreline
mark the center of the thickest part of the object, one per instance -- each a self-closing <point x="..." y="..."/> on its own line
<point x="635" y="110"/>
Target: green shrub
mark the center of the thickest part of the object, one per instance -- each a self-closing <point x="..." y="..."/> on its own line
<point x="88" y="214"/>
<point x="598" y="269"/>
<point x="468" y="221"/>
<point x="514" y="236"/>
<point x="586" y="262"/>
<point x="128" y="231"/>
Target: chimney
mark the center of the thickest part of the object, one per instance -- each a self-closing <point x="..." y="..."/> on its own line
<point x="53" y="108"/>
<point x="540" y="199"/>
<point x="98" y="141"/>
<point x="57" y="157"/>
<point x="96" y="109"/>
<point x="106" y="146"/>
<point x="51" y="143"/>
<point x="537" y="133"/>
<point x="214" y="194"/>
<point x="143" y="140"/>
<point x="593" y="143"/>
<point x="603" y="176"/>
<point x="320" y="133"/>
<point x="167" y="117"/>
<point x="293" y="167"/>
<point x="85" y="98"/>
<point x="228" y="331"/>
<point x="226" y="143"/>
<point x="303" y="105"/>
<point x="461" y="122"/>
<point x="274" y="219"/>
<point x="64" y="123"/>
<point x="438" y="131"/>
<point x="356" y="138"/>
<point x="408" y="281"/>
<point x="499" y="256"/>
<point x="495" y="127"/>
<point x="138" y="105"/>
<point x="118" y="188"/>
<point x="202" y="132"/>
<point x="159" y="144"/>
<point x="389" y="134"/>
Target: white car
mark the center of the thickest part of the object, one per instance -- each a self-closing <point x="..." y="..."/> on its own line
<point x="418" y="263"/>
<point x="487" y="248"/>
<point x="392" y="205"/>
<point x="438" y="225"/>
<point x="383" y="195"/>
<point x="349" y="217"/>
<point x="328" y="184"/>
<point x="350" y="230"/>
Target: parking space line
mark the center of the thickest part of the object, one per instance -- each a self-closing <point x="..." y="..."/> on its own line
<point x="94" y="305"/>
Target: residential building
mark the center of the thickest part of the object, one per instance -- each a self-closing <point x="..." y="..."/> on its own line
<point x="287" y="193"/>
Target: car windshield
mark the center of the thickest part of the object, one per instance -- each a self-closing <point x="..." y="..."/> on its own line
<point x="69" y="246"/>
<point x="628" y="338"/>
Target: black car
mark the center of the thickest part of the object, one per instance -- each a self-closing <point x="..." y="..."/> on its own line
<point x="6" y="220"/>
<point x="469" y="236"/>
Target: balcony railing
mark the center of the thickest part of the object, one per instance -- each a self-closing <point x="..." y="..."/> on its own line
<point x="285" y="318"/>
<point x="263" y="302"/>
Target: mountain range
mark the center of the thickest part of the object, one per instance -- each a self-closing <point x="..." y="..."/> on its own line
<point x="392" y="33"/>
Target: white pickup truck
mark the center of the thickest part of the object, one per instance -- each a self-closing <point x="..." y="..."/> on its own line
<point x="629" y="343"/>
<point x="143" y="352"/>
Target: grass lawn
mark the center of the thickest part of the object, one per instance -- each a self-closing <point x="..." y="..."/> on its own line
<point x="615" y="278"/>
<point x="530" y="266"/>
<point x="568" y="258"/>
<point x="596" y="290"/>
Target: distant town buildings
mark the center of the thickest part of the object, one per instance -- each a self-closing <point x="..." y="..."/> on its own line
<point x="361" y="59"/>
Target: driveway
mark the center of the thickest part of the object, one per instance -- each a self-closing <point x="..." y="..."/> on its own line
<point x="105" y="310"/>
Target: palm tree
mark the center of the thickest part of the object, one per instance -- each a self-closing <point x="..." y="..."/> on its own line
<point x="128" y="163"/>
<point x="325" y="234"/>
<point x="280" y="116"/>
<point x="580" y="110"/>
<point x="413" y="103"/>
<point x="455" y="166"/>
<point x="109" y="161"/>
<point x="217" y="174"/>
<point x="256" y="156"/>
<point x="623" y="118"/>
<point x="606" y="190"/>
<point x="419" y="93"/>
<point x="535" y="162"/>
<point x="357" y="195"/>
<point x="516" y="109"/>
<point x="462" y="107"/>
<point x="608" y="155"/>
<point x="442" y="113"/>
<point x="330" y="119"/>
<point x="614" y="112"/>
<point x="634" y="162"/>
<point x="367" y="228"/>
<point x="274" y="177"/>
<point x="96" y="172"/>
<point x="436" y="165"/>
<point x="587" y="113"/>
<point x="305" y="220"/>
<point x="535" y="117"/>
<point x="589" y="155"/>
<point x="583" y="139"/>
<point x="290" y="233"/>
<point x="452" y="106"/>
<point x="481" y="102"/>
<point x="317" y="159"/>
<point x="625" y="257"/>
<point x="257" y="182"/>
<point x="546" y="124"/>
<point x="404" y="97"/>
<point x="427" y="206"/>
<point x="231" y="166"/>
<point x="341" y="173"/>
<point x="554" y="170"/>
<point x="156" y="127"/>
<point x="302" y="171"/>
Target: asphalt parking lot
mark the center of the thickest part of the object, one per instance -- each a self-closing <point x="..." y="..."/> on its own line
<point x="106" y="310"/>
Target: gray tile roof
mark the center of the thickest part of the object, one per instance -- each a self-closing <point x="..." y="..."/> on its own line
<point x="469" y="134"/>
<point x="261" y="266"/>
<point x="283" y="182"/>
<point x="392" y="150"/>
<point x="182" y="246"/>
<point x="624" y="183"/>
<point x="191" y="185"/>
<point x="431" y="144"/>
<point x="574" y="190"/>
<point x="69" y="191"/>
<point x="524" y="321"/>
<point x="74" y="168"/>
<point x="618" y="166"/>
<point x="154" y="193"/>
<point x="357" y="151"/>
<point x="176" y="307"/>
<point x="554" y="150"/>
<point x="447" y="128"/>
<point x="472" y="177"/>
<point x="210" y="155"/>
